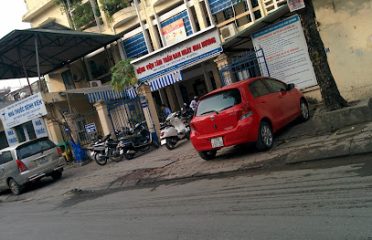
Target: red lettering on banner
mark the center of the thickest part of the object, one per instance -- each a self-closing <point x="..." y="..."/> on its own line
<point x="158" y="62"/>
<point x="208" y="42"/>
<point x="150" y="66"/>
<point x="196" y="47"/>
<point x="176" y="55"/>
<point x="186" y="51"/>
<point x="141" y="70"/>
<point x="168" y="58"/>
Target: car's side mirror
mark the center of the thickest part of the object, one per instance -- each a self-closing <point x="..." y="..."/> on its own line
<point x="290" y="86"/>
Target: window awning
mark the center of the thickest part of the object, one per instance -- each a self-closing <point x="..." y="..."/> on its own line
<point x="165" y="80"/>
<point x="105" y="93"/>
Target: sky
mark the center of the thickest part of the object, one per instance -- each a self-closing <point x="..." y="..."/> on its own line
<point x="10" y="19"/>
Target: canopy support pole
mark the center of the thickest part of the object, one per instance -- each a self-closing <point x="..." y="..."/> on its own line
<point x="37" y="62"/>
<point x="24" y="70"/>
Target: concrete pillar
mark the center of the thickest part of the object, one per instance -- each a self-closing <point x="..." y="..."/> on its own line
<point x="163" y="96"/>
<point x="177" y="90"/>
<point x="104" y="118"/>
<point x="191" y="19"/>
<point x="216" y="75"/>
<point x="263" y="11"/>
<point x="207" y="80"/>
<point x="151" y="115"/>
<point x="222" y="61"/>
<point x="54" y="131"/>
<point x="172" y="98"/>
<point x="200" y="15"/>
<point x="210" y="16"/>
<point x="152" y="29"/>
<point x="104" y="17"/>
<point x="145" y="35"/>
<point x="158" y="26"/>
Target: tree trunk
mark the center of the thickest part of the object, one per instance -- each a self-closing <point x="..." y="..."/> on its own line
<point x="328" y="88"/>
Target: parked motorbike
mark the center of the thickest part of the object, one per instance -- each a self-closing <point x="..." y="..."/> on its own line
<point x="186" y="113"/>
<point x="106" y="149"/>
<point x="138" y="139"/>
<point x="174" y="130"/>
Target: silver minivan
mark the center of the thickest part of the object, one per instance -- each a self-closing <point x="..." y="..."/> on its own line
<point x="29" y="161"/>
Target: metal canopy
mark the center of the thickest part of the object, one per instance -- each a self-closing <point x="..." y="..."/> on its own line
<point x="239" y="42"/>
<point x="35" y="52"/>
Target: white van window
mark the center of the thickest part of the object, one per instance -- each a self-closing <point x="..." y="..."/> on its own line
<point x="5" y="157"/>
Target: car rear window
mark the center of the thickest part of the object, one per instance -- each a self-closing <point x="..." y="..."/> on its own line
<point x="219" y="102"/>
<point x="31" y="148"/>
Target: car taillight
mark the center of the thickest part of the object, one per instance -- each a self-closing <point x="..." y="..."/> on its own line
<point x="161" y="134"/>
<point x="21" y="166"/>
<point x="59" y="151"/>
<point x="244" y="113"/>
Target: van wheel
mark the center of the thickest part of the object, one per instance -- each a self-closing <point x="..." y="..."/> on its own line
<point x="265" y="137"/>
<point x="56" y="175"/>
<point x="208" y="155"/>
<point x="15" y="187"/>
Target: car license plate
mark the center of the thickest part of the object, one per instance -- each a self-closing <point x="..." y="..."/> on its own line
<point x="43" y="161"/>
<point x="163" y="141"/>
<point x="217" y="142"/>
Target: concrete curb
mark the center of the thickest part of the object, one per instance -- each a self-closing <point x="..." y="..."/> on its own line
<point x="346" y="148"/>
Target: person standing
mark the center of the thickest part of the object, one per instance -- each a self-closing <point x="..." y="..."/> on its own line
<point x="165" y="111"/>
<point x="194" y="103"/>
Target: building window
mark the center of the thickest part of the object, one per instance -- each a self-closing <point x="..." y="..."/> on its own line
<point x="135" y="46"/>
<point x="68" y="80"/>
<point x="182" y="15"/>
<point x="228" y="13"/>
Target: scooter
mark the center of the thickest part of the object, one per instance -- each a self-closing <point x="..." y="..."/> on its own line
<point x="106" y="149"/>
<point x="136" y="140"/>
<point x="173" y="131"/>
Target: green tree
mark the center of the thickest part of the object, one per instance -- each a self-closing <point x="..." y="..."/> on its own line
<point x="328" y="87"/>
<point x="123" y="75"/>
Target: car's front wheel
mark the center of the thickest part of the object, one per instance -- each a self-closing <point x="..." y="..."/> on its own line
<point x="208" y="155"/>
<point x="265" y="139"/>
<point x="15" y="187"/>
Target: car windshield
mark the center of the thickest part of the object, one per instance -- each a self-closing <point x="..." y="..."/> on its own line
<point x="219" y="102"/>
<point x="31" y="148"/>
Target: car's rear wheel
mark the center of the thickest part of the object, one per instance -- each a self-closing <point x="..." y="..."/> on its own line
<point x="265" y="137"/>
<point x="305" y="112"/>
<point x="15" y="187"/>
<point x="208" y="155"/>
<point x="56" y="175"/>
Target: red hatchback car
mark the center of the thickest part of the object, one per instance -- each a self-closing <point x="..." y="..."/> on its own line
<point x="247" y="111"/>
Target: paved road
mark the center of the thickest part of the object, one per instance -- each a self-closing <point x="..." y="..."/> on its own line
<point x="323" y="200"/>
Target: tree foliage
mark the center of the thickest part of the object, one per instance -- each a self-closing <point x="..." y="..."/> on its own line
<point x="123" y="75"/>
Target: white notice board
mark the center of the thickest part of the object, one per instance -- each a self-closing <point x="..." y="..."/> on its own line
<point x="286" y="52"/>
